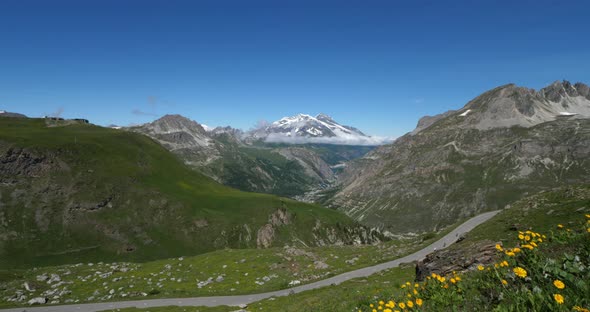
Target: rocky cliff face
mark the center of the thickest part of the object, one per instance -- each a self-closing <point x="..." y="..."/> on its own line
<point x="510" y="105"/>
<point x="503" y="144"/>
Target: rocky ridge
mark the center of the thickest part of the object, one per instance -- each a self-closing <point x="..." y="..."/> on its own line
<point x="501" y="145"/>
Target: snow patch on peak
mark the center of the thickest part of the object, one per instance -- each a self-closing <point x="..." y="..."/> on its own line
<point x="304" y="128"/>
<point x="465" y="113"/>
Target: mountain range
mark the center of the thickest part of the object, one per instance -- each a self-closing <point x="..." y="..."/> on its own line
<point x="304" y="128"/>
<point x="262" y="160"/>
<point x="502" y="145"/>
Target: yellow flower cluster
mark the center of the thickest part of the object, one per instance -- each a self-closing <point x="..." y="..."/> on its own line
<point x="514" y="270"/>
<point x="390" y="305"/>
<point x="405" y="304"/>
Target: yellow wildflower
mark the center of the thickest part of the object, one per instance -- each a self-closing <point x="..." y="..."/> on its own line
<point x="390" y="304"/>
<point x="580" y="309"/>
<point x="453" y="280"/>
<point x="588" y="230"/>
<point x="516" y="250"/>
<point x="504" y="282"/>
<point x="504" y="263"/>
<point x="419" y="302"/>
<point x="560" y="226"/>
<point x="480" y="267"/>
<point x="558" y="284"/>
<point x="499" y="248"/>
<point x="558" y="298"/>
<point x="402" y="305"/>
<point x="387" y="310"/>
<point x="520" y="272"/>
<point x="458" y="278"/>
<point x="588" y="216"/>
<point x="520" y="236"/>
<point x="410" y="304"/>
<point x="527" y="238"/>
<point x="510" y="254"/>
<point x="415" y="292"/>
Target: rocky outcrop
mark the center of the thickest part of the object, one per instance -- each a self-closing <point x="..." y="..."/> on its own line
<point x="16" y="161"/>
<point x="447" y="261"/>
<point x="265" y="236"/>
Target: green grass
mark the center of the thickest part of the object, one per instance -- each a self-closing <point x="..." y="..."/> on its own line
<point x="540" y="212"/>
<point x="344" y="297"/>
<point x="241" y="269"/>
<point x="156" y="204"/>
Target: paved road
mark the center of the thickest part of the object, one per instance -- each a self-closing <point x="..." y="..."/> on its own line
<point x="246" y="299"/>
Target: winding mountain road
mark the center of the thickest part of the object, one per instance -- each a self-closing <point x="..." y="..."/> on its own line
<point x="444" y="242"/>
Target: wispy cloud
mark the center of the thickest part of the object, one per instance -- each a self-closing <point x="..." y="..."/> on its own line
<point x="419" y="100"/>
<point x="139" y="112"/>
<point x="151" y="107"/>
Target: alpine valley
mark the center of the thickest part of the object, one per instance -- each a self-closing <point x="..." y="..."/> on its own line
<point x="172" y="208"/>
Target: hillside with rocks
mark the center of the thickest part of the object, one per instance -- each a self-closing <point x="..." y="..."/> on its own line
<point x="85" y="193"/>
<point x="506" y="143"/>
<point x="247" y="162"/>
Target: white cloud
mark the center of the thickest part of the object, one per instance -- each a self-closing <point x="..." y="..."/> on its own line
<point x="357" y="140"/>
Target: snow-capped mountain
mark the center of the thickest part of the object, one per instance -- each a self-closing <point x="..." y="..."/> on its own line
<point x="304" y="128"/>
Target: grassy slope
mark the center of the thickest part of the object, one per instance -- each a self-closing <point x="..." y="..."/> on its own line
<point x="240" y="268"/>
<point x="156" y="201"/>
<point x="540" y="212"/>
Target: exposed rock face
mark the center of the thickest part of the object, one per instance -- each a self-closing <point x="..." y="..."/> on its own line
<point x="427" y="121"/>
<point x="21" y="162"/>
<point x="446" y="261"/>
<point x="510" y="105"/>
<point x="503" y="144"/>
<point x="265" y="236"/>
<point x="323" y="234"/>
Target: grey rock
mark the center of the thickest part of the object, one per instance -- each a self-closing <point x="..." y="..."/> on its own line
<point x="37" y="300"/>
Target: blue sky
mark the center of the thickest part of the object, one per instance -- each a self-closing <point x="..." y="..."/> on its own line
<point x="375" y="65"/>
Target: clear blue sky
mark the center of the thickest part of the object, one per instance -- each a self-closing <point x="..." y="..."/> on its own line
<point x="376" y="65"/>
